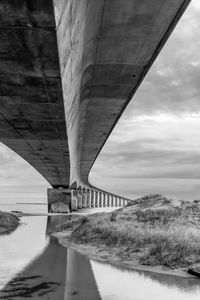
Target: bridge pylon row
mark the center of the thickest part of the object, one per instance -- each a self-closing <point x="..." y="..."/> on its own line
<point x="68" y="200"/>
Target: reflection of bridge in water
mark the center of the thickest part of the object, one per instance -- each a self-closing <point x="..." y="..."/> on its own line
<point x="58" y="273"/>
<point x="68" y="70"/>
<point x="63" y="274"/>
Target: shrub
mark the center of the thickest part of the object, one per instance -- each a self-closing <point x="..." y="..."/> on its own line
<point x="8" y="222"/>
<point x="84" y="220"/>
<point x="159" y="236"/>
<point x="113" y="216"/>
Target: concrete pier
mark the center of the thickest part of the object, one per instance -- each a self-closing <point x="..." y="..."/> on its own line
<point x="108" y="201"/>
<point x="97" y="197"/>
<point x="74" y="201"/>
<point x="88" y="203"/>
<point x="112" y="201"/>
<point x="92" y="198"/>
<point x="59" y="200"/>
<point x="79" y="199"/>
<point x="84" y="198"/>
<point x="104" y="200"/>
<point x="100" y="199"/>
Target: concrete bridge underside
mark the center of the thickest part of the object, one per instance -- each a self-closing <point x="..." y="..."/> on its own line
<point x="68" y="69"/>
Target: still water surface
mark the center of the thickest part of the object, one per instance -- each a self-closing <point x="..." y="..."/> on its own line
<point x="35" y="266"/>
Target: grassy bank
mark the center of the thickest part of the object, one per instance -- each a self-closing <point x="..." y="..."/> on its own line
<point x="8" y="222"/>
<point x="153" y="231"/>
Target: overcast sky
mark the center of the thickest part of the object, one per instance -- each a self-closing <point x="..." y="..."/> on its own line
<point x="19" y="182"/>
<point x="155" y="146"/>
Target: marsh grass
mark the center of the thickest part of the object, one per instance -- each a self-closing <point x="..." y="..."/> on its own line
<point x="165" y="236"/>
<point x="8" y="222"/>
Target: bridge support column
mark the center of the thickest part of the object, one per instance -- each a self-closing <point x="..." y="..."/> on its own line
<point x="104" y="200"/>
<point x="100" y="199"/>
<point x="88" y="198"/>
<point x="84" y="198"/>
<point x="108" y="201"/>
<point x="96" y="199"/>
<point x="112" y="201"/>
<point x="92" y="198"/>
<point x="79" y="199"/>
<point x="115" y="201"/>
<point x="59" y="200"/>
<point x="74" y="204"/>
<point x="120" y="202"/>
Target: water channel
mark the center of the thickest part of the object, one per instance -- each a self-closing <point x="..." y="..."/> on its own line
<point x="34" y="265"/>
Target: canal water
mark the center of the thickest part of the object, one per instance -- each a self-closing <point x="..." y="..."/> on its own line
<point x="34" y="265"/>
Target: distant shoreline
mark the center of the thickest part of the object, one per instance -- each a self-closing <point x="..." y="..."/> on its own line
<point x="24" y="214"/>
<point x="28" y="203"/>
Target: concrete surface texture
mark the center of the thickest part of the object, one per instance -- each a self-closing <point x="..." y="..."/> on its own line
<point x="32" y="120"/>
<point x="57" y="273"/>
<point x="68" y="69"/>
<point x="105" y="49"/>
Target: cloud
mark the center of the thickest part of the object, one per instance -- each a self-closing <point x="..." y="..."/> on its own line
<point x="18" y="180"/>
<point x="155" y="146"/>
<point x="162" y="146"/>
<point x="172" y="84"/>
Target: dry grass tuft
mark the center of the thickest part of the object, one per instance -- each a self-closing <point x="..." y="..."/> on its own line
<point x="167" y="236"/>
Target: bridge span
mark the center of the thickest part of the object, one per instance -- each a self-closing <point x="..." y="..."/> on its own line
<point x="68" y="69"/>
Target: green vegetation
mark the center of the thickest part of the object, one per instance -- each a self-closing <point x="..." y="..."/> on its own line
<point x="165" y="234"/>
<point x="8" y="222"/>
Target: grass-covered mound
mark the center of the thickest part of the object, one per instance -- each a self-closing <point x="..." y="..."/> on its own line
<point x="152" y="231"/>
<point x="8" y="222"/>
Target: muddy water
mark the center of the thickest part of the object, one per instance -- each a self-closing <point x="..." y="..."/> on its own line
<point x="35" y="266"/>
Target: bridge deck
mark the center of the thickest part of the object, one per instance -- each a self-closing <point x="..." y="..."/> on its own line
<point x="105" y="48"/>
<point x="32" y="120"/>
